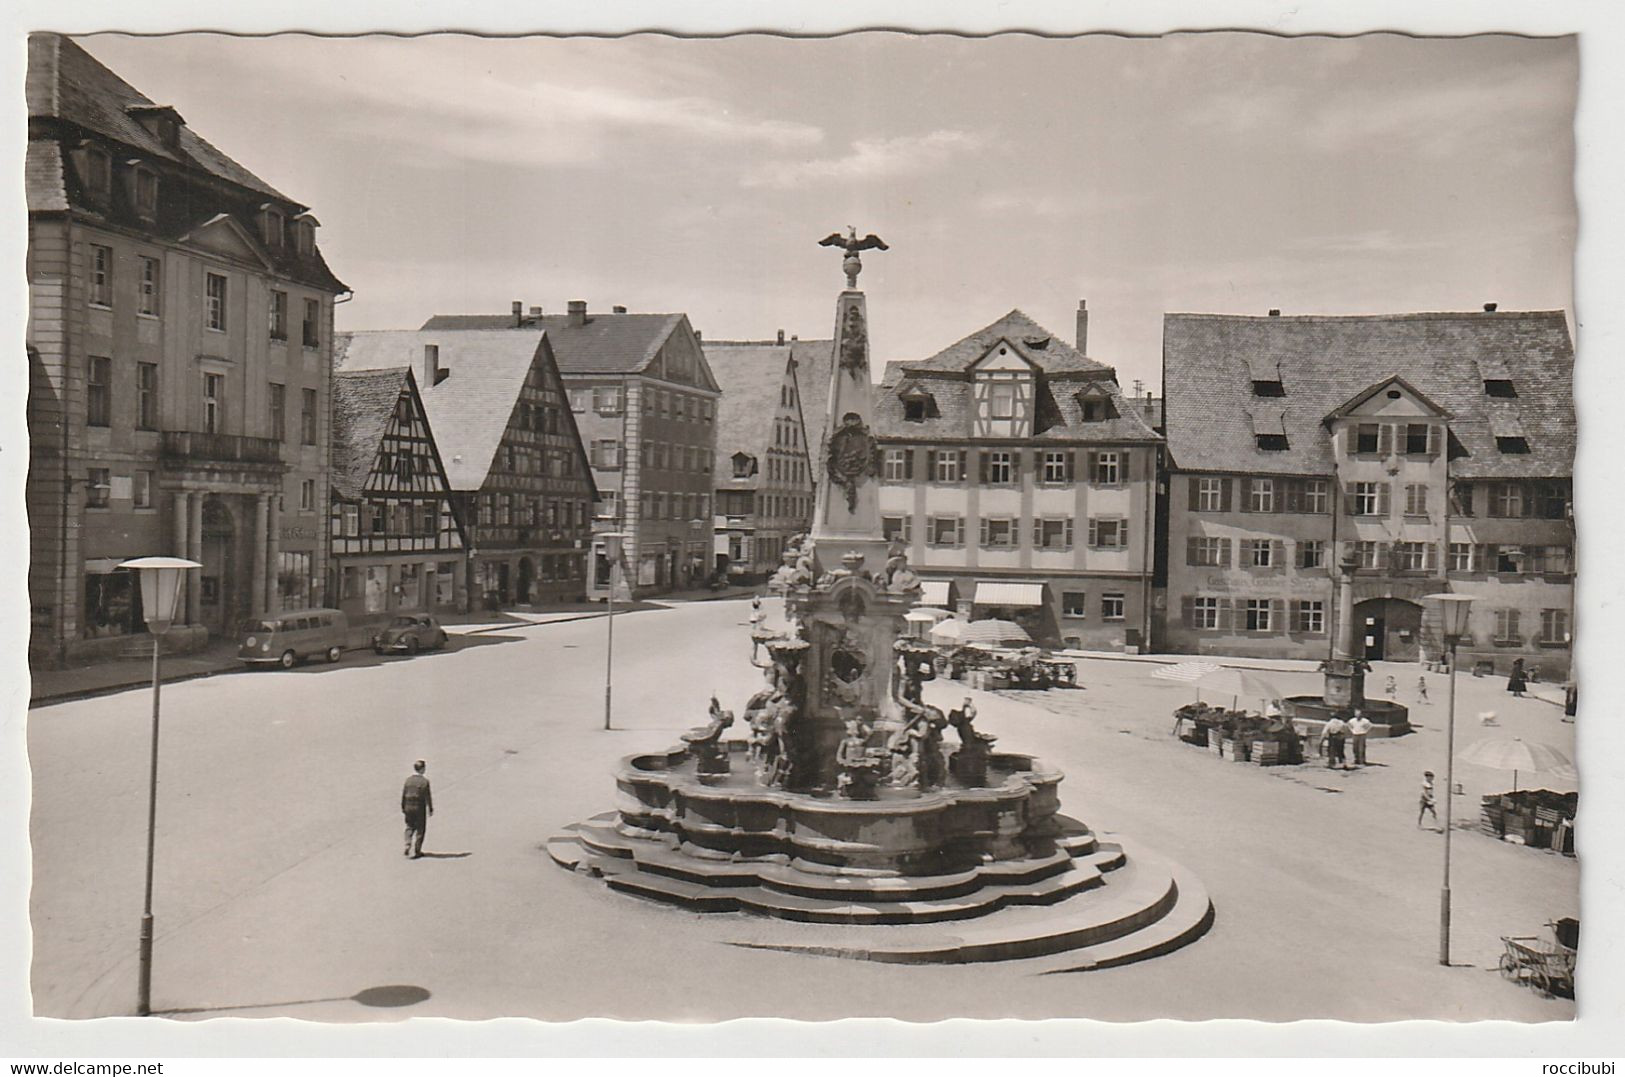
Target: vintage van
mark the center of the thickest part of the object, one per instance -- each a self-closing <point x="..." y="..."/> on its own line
<point x="286" y="638"/>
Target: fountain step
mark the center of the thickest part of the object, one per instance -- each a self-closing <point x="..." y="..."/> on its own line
<point x="1152" y="914"/>
<point x="843" y="909"/>
<point x="814" y="881"/>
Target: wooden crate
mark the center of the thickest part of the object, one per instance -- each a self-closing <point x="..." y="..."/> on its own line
<point x="1268" y="753"/>
<point x="1215" y="739"/>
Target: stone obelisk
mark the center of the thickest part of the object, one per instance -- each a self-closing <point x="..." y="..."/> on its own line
<point x="847" y="514"/>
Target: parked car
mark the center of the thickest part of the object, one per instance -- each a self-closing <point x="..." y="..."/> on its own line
<point x="286" y="638"/>
<point x="410" y="632"/>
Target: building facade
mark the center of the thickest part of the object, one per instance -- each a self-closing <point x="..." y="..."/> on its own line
<point x="513" y="456"/>
<point x="180" y="356"/>
<point x="1436" y="449"/>
<point x="1022" y="483"/>
<point x="645" y="404"/>
<point x="763" y="474"/>
<point x="397" y="542"/>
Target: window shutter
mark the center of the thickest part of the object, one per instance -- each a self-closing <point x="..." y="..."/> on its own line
<point x="1224" y="497"/>
<point x="1091" y="472"/>
<point x="984" y="531"/>
<point x="981" y="466"/>
<point x="1528" y="499"/>
<point x="1187" y="610"/>
<point x="1385" y="439"/>
<point x="1382" y="496"/>
<point x="1196" y="493"/>
<point x="1224" y="553"/>
<point x="959" y="531"/>
<point x="1349" y="503"/>
<point x="1277" y="615"/>
<point x="964" y="468"/>
<point x="1278" y="555"/>
<point x="1291" y="496"/>
<point x="1068" y="533"/>
<point x="1071" y="460"/>
<point x="1125" y="461"/>
<point x="1246" y="494"/>
<point x="1384" y="549"/>
<point x="1512" y="625"/>
<point x="908" y="464"/>
<point x="1433" y="440"/>
<point x="1351" y="439"/>
<point x="1038" y="534"/>
<point x="930" y="465"/>
<point x="1122" y="534"/>
<point x="1294" y="615"/>
<point x="1190" y="551"/>
<point x="1094" y="532"/>
<point x="1226" y="614"/>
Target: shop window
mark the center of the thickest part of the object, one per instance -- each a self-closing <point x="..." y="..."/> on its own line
<point x="112" y="604"/>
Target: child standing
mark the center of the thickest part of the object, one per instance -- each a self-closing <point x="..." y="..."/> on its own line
<point x="1391" y="686"/>
<point x="1422" y="689"/>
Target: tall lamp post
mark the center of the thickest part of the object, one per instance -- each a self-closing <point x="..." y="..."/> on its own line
<point x="160" y="586"/>
<point x="612" y="550"/>
<point x="1454" y="611"/>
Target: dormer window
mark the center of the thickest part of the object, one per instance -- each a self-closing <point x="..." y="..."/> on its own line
<point x="918" y="405"/>
<point x="1271" y="442"/>
<point x="272" y="226"/>
<point x="98" y="173"/>
<point x="305" y="233"/>
<point x="1096" y="409"/>
<point x="143" y="190"/>
<point x="1268" y="388"/>
<point x="1500" y="387"/>
<point x="161" y="121"/>
<point x="1512" y="445"/>
<point x="744" y="465"/>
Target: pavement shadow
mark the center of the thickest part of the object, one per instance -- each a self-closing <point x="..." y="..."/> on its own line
<point x="443" y="856"/>
<point x="385" y="996"/>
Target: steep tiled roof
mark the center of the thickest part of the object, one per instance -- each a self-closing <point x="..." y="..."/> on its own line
<point x="750" y="376"/>
<point x="948" y="378"/>
<point x="605" y="344"/>
<point x="468" y="411"/>
<point x="1325" y="361"/>
<point x="71" y="96"/>
<point x="363" y="404"/>
<point x="1032" y="340"/>
<point x="815" y="363"/>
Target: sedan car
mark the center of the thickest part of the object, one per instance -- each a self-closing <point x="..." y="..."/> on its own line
<point x="410" y="632"/>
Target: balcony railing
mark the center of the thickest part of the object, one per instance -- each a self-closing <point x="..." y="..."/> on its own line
<point x="198" y="447"/>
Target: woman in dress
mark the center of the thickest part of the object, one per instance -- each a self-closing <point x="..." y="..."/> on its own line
<point x="1517" y="682"/>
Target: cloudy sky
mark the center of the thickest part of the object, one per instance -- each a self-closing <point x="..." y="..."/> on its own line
<point x="1215" y="172"/>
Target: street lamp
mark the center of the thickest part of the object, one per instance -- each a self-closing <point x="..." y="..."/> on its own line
<point x="612" y="550"/>
<point x="160" y="586"/>
<point x="1454" y="611"/>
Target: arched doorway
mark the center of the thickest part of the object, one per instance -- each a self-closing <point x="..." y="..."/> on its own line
<point x="219" y="607"/>
<point x="1388" y="629"/>
<point x="527" y="572"/>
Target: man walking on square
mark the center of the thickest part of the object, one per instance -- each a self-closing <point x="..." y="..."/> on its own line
<point x="1359" y="727"/>
<point x="1427" y="807"/>
<point x="417" y="804"/>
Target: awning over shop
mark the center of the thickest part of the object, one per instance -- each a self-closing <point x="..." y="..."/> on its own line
<point x="999" y="593"/>
<point x="935" y="593"/>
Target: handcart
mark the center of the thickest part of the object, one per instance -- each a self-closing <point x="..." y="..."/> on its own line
<point x="1545" y="965"/>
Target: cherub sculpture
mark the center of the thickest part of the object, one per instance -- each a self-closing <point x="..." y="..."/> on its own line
<point x="710" y="753"/>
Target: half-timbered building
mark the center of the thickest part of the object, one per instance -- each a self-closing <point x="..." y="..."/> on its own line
<point x="397" y="542"/>
<point x="513" y="458"/>
<point x="645" y="402"/>
<point x="1022" y="483"/>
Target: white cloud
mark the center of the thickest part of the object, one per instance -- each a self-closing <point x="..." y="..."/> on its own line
<point x="868" y="158"/>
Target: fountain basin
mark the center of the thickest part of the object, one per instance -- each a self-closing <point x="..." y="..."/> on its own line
<point x="904" y="832"/>
<point x="1388" y="719"/>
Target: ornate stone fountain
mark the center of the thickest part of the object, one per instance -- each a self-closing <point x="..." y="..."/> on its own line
<point x="847" y="802"/>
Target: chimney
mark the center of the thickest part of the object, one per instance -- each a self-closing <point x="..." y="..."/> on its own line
<point x="432" y="374"/>
<point x="578" y="312"/>
<point x="1489" y="308"/>
<point x="781" y="336"/>
<point x="1083" y="327"/>
<point x="1275" y="312"/>
<point x="518" y="314"/>
<point x="535" y="312"/>
<point x="617" y="310"/>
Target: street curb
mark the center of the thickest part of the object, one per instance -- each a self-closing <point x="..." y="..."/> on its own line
<point x="125" y="686"/>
